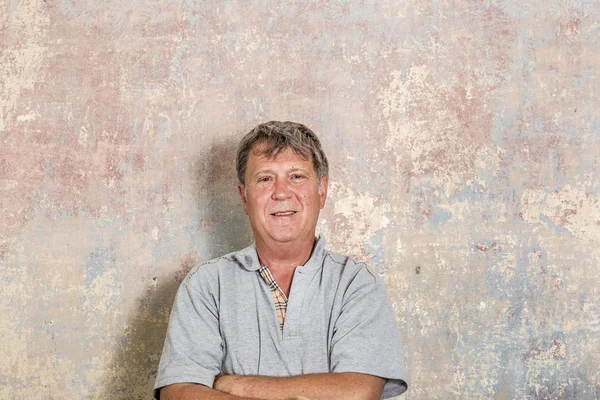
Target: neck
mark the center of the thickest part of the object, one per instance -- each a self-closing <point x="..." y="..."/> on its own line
<point x="284" y="255"/>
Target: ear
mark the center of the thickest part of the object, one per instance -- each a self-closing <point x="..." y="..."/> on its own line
<point x="243" y="197"/>
<point x="324" y="187"/>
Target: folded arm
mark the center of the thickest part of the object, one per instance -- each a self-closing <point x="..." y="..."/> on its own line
<point x="344" y="385"/>
<point x="194" y="391"/>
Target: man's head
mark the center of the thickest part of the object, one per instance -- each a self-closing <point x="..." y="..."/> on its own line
<point x="283" y="179"/>
<point x="272" y="137"/>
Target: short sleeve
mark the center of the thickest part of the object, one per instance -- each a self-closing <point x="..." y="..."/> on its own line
<point x="366" y="337"/>
<point x="193" y="348"/>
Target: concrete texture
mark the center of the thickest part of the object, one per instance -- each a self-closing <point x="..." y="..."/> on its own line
<point x="464" y="143"/>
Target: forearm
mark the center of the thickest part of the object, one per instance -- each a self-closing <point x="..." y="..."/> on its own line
<point x="325" y="386"/>
<point x="192" y="391"/>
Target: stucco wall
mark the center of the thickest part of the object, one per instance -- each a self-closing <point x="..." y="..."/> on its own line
<point x="464" y="143"/>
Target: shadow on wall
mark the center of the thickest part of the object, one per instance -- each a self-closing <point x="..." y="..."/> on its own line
<point x="132" y="371"/>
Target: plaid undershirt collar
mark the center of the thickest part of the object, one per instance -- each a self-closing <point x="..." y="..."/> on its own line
<point x="278" y="296"/>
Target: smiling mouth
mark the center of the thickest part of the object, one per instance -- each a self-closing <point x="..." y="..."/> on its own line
<point x="284" y="213"/>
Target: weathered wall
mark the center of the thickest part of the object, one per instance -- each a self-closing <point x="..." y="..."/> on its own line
<point x="465" y="148"/>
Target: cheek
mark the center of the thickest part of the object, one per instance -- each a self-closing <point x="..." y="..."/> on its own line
<point x="309" y="199"/>
<point x="258" y="202"/>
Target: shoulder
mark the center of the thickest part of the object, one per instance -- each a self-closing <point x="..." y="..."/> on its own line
<point x="349" y="270"/>
<point x="212" y="270"/>
<point x="206" y="280"/>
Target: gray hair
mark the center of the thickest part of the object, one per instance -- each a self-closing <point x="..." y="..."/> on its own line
<point x="270" y="138"/>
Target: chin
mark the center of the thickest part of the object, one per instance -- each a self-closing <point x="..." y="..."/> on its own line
<point x="285" y="237"/>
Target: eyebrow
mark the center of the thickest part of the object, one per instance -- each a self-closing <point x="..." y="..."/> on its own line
<point x="269" y="170"/>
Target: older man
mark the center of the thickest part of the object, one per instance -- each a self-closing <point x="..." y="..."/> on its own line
<point x="283" y="318"/>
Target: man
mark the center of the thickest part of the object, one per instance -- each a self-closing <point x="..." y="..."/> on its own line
<point x="284" y="318"/>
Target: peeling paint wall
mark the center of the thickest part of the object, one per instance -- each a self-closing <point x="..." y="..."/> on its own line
<point x="465" y="148"/>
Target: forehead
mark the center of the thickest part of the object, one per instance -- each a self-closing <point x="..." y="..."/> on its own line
<point x="286" y="158"/>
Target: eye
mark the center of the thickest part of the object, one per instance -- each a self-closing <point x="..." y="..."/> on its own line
<point x="297" y="176"/>
<point x="264" y="179"/>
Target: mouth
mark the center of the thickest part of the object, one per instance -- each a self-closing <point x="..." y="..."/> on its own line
<point x="283" y="213"/>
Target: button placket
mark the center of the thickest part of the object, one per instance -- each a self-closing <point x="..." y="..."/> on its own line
<point x="291" y="326"/>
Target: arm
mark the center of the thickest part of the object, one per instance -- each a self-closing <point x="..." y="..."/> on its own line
<point x="365" y="336"/>
<point x="193" y="391"/>
<point x="325" y="386"/>
<point x="193" y="349"/>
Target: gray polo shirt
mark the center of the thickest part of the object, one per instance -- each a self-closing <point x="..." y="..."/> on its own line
<point x="338" y="319"/>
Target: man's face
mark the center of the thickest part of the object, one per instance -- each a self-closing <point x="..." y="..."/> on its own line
<point x="282" y="198"/>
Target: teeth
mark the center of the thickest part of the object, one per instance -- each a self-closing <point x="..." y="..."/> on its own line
<point x="285" y="213"/>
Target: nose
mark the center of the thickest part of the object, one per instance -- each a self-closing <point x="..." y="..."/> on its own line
<point x="281" y="190"/>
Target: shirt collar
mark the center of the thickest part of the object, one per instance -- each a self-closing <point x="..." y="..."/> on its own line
<point x="248" y="257"/>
